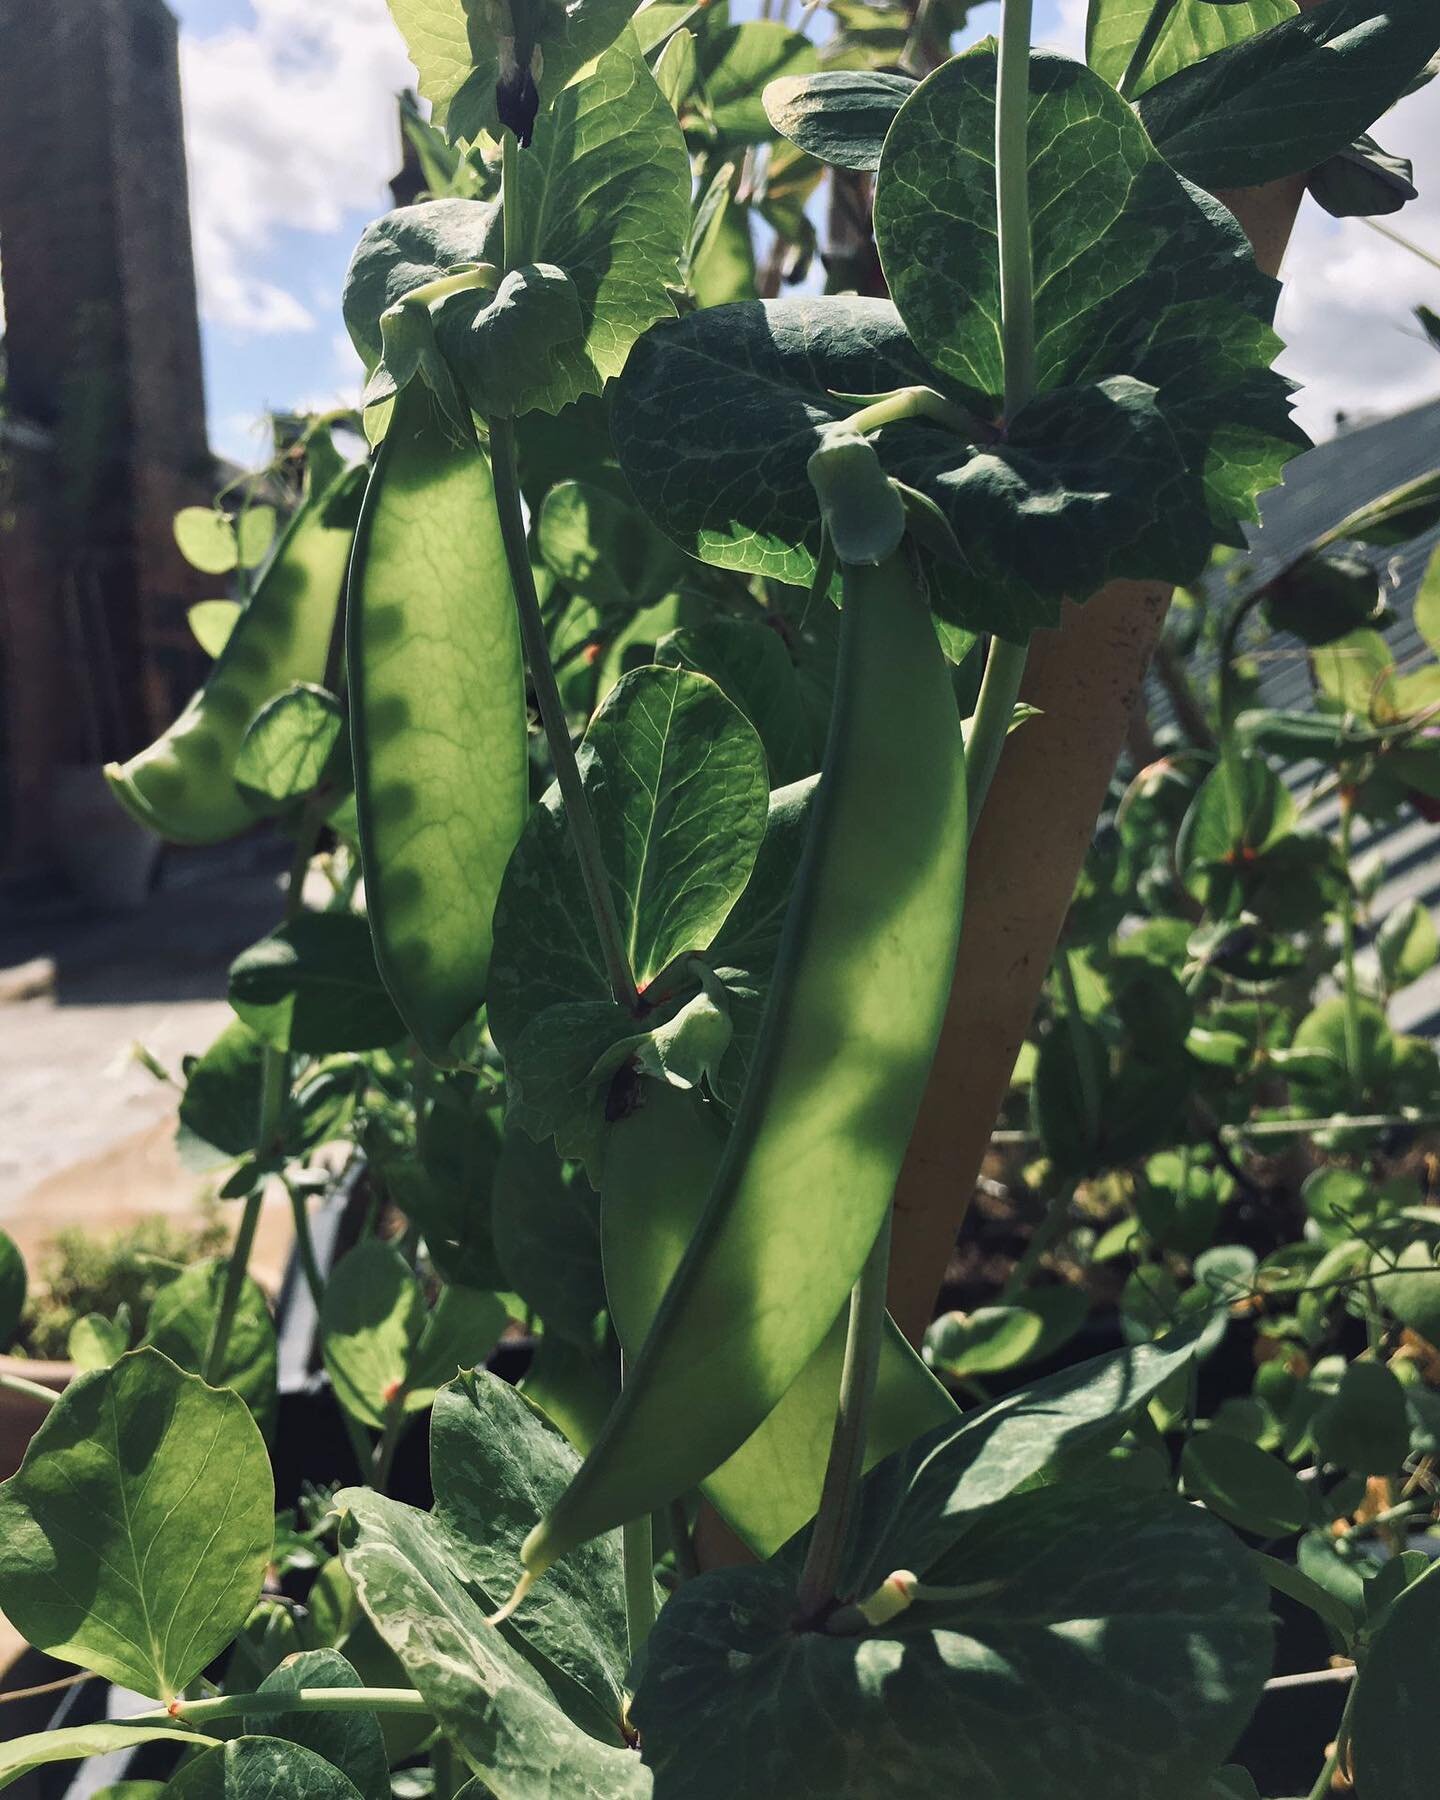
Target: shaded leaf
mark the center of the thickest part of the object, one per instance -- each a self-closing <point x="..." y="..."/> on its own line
<point x="312" y="986"/>
<point x="1284" y="101"/>
<point x="1195" y="29"/>
<point x="182" y="1320"/>
<point x="1130" y="1637"/>
<point x="839" y="115"/>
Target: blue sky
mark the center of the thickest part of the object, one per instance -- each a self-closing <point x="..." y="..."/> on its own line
<point x="291" y="137"/>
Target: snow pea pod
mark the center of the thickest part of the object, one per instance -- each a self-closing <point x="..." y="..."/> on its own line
<point x="660" y="1164"/>
<point x="182" y="785"/>
<point x="846" y="1042"/>
<point x="437" y="716"/>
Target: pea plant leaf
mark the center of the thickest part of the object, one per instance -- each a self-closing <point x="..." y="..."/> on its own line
<point x="312" y="986"/>
<point x="383" y="1348"/>
<point x="677" y="782"/>
<point x="407" y="249"/>
<point x="135" y="1537"/>
<point x="536" y="1705"/>
<point x="254" y="1768"/>
<point x="547" y="1237"/>
<point x="1396" y="1730"/>
<point x="496" y="1466"/>
<point x="1280" y="103"/>
<point x="182" y="1319"/>
<point x="920" y="1502"/>
<point x="735" y="65"/>
<point x="743" y="954"/>
<point x="1131" y="1636"/>
<point x="455" y="46"/>
<point x="1136" y="276"/>
<point x="839" y="115"/>
<point x="349" y="1741"/>
<point x="220" y="1108"/>
<point x="12" y="1287"/>
<point x="751" y="662"/>
<point x="72" y="1743"/>
<point x="1155" y="424"/>
<point x="603" y="549"/>
<point x="1195" y="29"/>
<point x="605" y="194"/>
<point x="288" y="745"/>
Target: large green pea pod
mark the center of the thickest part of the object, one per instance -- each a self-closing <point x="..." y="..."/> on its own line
<point x="437" y="716"/>
<point x="845" y="1047"/>
<point x="660" y="1164"/>
<point x="182" y="786"/>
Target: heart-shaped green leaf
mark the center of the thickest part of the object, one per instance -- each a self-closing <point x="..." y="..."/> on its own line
<point x="676" y="778"/>
<point x="182" y="1322"/>
<point x="135" y="1537"/>
<point x="350" y="1741"/>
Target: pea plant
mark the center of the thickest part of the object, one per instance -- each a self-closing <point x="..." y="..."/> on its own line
<point x="632" y="705"/>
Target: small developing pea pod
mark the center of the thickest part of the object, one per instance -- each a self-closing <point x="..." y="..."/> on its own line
<point x="849" y="1031"/>
<point x="181" y="786"/>
<point x="437" y="716"/>
<point x="661" y="1160"/>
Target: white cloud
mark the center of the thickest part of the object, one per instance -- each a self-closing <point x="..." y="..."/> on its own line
<point x="290" y="124"/>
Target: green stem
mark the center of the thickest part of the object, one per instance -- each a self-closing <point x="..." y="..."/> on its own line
<point x="863" y="1338"/>
<point x="512" y="213"/>
<point x="483" y="278"/>
<point x="578" y="817"/>
<point x="384" y="1455"/>
<point x="236" y="1270"/>
<point x="1145" y="46"/>
<point x="1005" y="664"/>
<point x="272" y="1705"/>
<point x="1012" y="161"/>
<point x="1347" y="950"/>
<point x="638" y="1552"/>
<point x="1325" y="1781"/>
<point x="305" y="1244"/>
<point x="32" y="1390"/>
<point x="995" y="708"/>
<point x="1057" y="1212"/>
<point x="911" y="403"/>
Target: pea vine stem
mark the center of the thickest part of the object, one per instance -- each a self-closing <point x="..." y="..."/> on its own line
<point x="272" y="1705"/>
<point x="578" y="816"/>
<point x="1145" y="44"/>
<point x="274" y="1063"/>
<point x="581" y="821"/>
<point x="863" y="1338"/>
<point x="1005" y="663"/>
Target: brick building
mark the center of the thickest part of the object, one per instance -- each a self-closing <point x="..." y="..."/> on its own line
<point x="102" y="419"/>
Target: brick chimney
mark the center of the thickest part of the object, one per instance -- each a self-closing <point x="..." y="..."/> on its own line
<point x="103" y="356"/>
